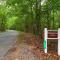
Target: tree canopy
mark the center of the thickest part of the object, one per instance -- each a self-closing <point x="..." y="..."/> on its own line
<point x="29" y="15"/>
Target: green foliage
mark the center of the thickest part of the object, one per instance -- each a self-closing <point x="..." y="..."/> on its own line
<point x="23" y="15"/>
<point x="10" y="22"/>
<point x="2" y="17"/>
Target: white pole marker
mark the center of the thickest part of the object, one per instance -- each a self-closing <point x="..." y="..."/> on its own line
<point x="45" y="39"/>
<point x="59" y="41"/>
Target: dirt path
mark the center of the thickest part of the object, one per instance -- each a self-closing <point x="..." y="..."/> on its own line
<point x="21" y="53"/>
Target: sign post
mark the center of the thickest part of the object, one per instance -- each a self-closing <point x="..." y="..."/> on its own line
<point x="45" y="40"/>
<point x="55" y="36"/>
<point x="59" y="41"/>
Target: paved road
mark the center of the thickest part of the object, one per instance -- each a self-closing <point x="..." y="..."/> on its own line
<point x="7" y="39"/>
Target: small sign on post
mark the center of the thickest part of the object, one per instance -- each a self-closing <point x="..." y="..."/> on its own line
<point x="44" y="44"/>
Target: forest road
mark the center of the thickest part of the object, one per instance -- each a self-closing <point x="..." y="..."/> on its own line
<point x="7" y="39"/>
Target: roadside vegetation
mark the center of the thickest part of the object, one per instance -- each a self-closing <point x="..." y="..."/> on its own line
<point x="29" y="15"/>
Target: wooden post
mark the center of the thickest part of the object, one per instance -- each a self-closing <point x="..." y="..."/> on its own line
<point x="45" y="39"/>
<point x="59" y="41"/>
